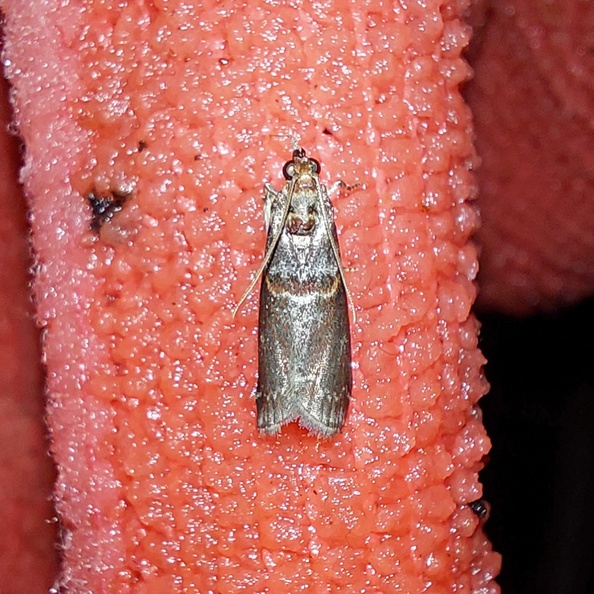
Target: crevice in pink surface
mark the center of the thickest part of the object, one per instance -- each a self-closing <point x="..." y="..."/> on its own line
<point x="28" y="555"/>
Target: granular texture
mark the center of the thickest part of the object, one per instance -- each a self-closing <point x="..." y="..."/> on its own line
<point x="165" y="484"/>
<point x="533" y="102"/>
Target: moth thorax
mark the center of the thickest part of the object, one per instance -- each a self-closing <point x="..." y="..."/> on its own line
<point x="300" y="223"/>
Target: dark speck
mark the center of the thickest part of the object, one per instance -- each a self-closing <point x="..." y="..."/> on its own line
<point x="105" y="206"/>
<point x="141" y="146"/>
<point x="481" y="508"/>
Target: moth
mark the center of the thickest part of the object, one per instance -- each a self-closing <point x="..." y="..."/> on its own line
<point x="304" y="347"/>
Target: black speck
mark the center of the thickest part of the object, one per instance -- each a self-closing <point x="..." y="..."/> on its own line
<point x="105" y="206"/>
<point x="141" y="146"/>
<point x="205" y="209"/>
<point x="481" y="508"/>
<point x="327" y="131"/>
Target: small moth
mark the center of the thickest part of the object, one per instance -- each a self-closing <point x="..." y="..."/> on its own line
<point x="304" y="347"/>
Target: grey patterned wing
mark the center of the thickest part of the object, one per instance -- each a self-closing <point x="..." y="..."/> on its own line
<point x="273" y="394"/>
<point x="323" y="388"/>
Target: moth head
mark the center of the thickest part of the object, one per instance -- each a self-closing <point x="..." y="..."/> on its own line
<point x="300" y="164"/>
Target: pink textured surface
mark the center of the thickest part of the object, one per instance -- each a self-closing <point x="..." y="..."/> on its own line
<point x="164" y="484"/>
<point x="28" y="560"/>
<point x="533" y="103"/>
<point x="44" y="81"/>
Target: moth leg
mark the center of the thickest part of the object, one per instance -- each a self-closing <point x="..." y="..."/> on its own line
<point x="339" y="184"/>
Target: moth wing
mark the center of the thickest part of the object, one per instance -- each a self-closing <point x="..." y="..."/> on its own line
<point x="270" y="195"/>
<point x="274" y="394"/>
<point x="322" y="398"/>
<point x="274" y="215"/>
<point x="327" y="210"/>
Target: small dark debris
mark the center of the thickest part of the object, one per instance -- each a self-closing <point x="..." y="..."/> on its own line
<point x="141" y="146"/>
<point x="327" y="131"/>
<point x="481" y="509"/>
<point x="205" y="209"/>
<point x="105" y="206"/>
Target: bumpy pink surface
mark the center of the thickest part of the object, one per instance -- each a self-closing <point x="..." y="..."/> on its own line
<point x="533" y="102"/>
<point x="164" y="484"/>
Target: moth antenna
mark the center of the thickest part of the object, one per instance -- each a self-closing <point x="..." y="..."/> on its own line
<point x="268" y="254"/>
<point x="336" y="254"/>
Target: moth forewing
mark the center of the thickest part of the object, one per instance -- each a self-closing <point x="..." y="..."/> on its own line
<point x="268" y="222"/>
<point x="270" y="196"/>
<point x="327" y="215"/>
